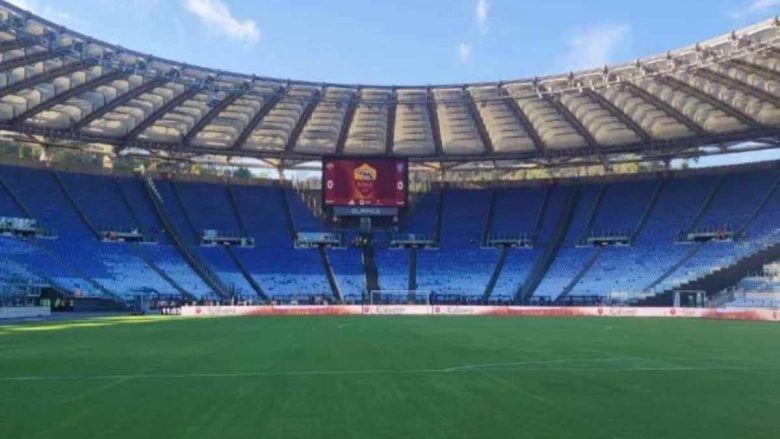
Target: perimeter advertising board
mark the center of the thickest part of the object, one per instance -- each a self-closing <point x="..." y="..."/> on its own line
<point x="761" y="314"/>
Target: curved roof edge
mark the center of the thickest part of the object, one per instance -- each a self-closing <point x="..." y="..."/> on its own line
<point x="64" y="86"/>
<point x="676" y="53"/>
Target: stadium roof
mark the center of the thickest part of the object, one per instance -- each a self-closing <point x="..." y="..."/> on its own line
<point x="63" y="87"/>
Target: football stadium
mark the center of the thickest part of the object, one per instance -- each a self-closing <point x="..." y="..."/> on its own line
<point x="193" y="252"/>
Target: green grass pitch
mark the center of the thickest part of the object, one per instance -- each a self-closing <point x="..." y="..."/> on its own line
<point x="390" y="377"/>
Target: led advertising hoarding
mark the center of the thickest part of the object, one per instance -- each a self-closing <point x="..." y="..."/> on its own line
<point x="364" y="182"/>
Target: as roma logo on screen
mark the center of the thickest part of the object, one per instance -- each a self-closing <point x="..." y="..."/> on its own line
<point x="364" y="178"/>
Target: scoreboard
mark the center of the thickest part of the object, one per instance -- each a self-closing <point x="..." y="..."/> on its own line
<point x="376" y="184"/>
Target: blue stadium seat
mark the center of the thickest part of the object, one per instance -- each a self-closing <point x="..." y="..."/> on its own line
<point x="460" y="268"/>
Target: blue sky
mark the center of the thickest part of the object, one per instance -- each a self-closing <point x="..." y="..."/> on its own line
<point x="402" y="41"/>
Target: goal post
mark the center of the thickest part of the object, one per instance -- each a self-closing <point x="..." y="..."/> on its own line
<point x="618" y="298"/>
<point x="690" y="298"/>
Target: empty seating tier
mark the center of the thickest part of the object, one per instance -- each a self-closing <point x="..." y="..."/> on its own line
<point x="656" y="212"/>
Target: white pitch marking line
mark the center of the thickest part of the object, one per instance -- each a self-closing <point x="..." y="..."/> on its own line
<point x="507" y="367"/>
<point x="524" y="363"/>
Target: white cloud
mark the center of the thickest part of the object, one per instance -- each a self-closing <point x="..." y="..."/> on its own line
<point x="481" y="12"/>
<point x="594" y="46"/>
<point x="465" y="52"/>
<point x="217" y="17"/>
<point x="752" y="8"/>
<point x="48" y="12"/>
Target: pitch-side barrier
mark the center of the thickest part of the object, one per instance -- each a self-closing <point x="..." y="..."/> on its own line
<point x="761" y="314"/>
<point x="23" y="312"/>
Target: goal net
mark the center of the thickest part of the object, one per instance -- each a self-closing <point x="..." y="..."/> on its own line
<point x="690" y="298"/>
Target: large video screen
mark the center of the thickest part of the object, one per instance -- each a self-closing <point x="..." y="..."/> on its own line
<point x="364" y="182"/>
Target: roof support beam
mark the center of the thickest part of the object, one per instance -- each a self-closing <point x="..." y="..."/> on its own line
<point x="269" y="162"/>
<point x="210" y="116"/>
<point x="716" y="103"/>
<point x="162" y="111"/>
<point x="293" y="163"/>
<point x="71" y="93"/>
<point x="118" y="102"/>
<point x="528" y="127"/>
<point x="756" y="69"/>
<point x="691" y="144"/>
<point x="433" y="116"/>
<point x="346" y="124"/>
<point x="665" y="107"/>
<point x="392" y="107"/>
<point x="19" y="43"/>
<point x="479" y="122"/>
<point x="605" y="162"/>
<point x="605" y="103"/>
<point x="46" y="76"/>
<point x="770" y="50"/>
<point x="27" y="60"/>
<point x="269" y="103"/>
<point x="567" y="115"/>
<point x="311" y="104"/>
<point x="450" y="166"/>
<point x="735" y="84"/>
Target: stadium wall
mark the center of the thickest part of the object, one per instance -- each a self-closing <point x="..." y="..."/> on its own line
<point x="23" y="312"/>
<point x="753" y="314"/>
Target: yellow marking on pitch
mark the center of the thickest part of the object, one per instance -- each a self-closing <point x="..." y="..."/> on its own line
<point x="81" y="323"/>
